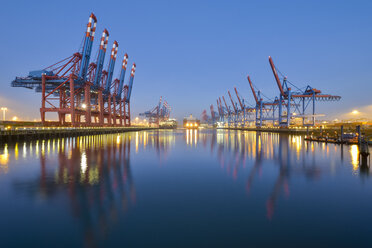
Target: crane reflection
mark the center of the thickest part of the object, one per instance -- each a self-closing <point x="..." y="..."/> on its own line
<point x="290" y="154"/>
<point x="93" y="173"/>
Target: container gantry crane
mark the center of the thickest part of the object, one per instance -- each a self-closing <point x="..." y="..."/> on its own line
<point x="245" y="112"/>
<point x="241" y="113"/>
<point x="222" y="112"/>
<point x="234" y="114"/>
<point x="228" y="112"/>
<point x="127" y="95"/>
<point x="265" y="110"/>
<point x="80" y="88"/>
<point x="219" y="110"/>
<point x="214" y="114"/>
<point x="106" y="102"/>
<point x="118" y="112"/>
<point x="158" y="113"/>
<point x="297" y="102"/>
<point x="211" y="120"/>
<point x="96" y="97"/>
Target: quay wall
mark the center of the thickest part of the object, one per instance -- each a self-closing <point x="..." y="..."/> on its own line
<point x="47" y="133"/>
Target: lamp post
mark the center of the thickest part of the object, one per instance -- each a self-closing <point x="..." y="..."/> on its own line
<point x="4" y="110"/>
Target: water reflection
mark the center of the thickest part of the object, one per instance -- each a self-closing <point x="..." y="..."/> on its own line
<point x="97" y="182"/>
<point x="290" y="154"/>
<point x="92" y="172"/>
<point x="354" y="153"/>
<point x="4" y="160"/>
<point x="191" y="137"/>
<point x="95" y="176"/>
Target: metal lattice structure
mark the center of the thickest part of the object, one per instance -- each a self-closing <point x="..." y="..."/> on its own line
<point x="159" y="113"/>
<point x="281" y="111"/>
<point x="297" y="102"/>
<point x="82" y="90"/>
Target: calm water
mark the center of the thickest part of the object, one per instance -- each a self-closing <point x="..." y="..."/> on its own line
<point x="184" y="189"/>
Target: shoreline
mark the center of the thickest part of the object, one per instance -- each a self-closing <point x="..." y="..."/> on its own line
<point x="47" y="133"/>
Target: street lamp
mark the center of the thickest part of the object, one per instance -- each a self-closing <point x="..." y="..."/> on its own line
<point x="4" y="109"/>
<point x="15" y="118"/>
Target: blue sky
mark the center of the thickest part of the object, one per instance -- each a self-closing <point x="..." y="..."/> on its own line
<point x="191" y="52"/>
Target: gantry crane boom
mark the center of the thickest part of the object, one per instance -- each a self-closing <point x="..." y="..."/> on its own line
<point x="253" y="91"/>
<point x="232" y="102"/>
<point x="122" y="76"/>
<point x="221" y="106"/>
<point x="130" y="84"/>
<point x="111" y="66"/>
<point x="212" y="112"/>
<point x="159" y="105"/>
<point x="227" y="108"/>
<point x="276" y="77"/>
<point x="87" y="48"/>
<point x="101" y="58"/>
<point x="237" y="95"/>
<point x="218" y="108"/>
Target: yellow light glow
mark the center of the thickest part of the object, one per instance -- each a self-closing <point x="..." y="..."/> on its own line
<point x="355" y="112"/>
<point x="14" y="118"/>
<point x="16" y="152"/>
<point x="354" y="152"/>
<point x="84" y="106"/>
<point x="137" y="141"/>
<point x="83" y="163"/>
<point x="4" y="158"/>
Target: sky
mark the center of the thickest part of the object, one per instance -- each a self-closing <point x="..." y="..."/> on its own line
<point x="191" y="52"/>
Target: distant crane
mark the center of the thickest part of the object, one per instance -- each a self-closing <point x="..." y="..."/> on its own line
<point x="227" y="111"/>
<point x="158" y="113"/>
<point x="271" y="111"/>
<point x="299" y="100"/>
<point x="214" y="115"/>
<point x="235" y="113"/>
<point x="244" y="111"/>
<point x="265" y="111"/>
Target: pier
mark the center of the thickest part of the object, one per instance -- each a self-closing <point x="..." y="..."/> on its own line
<point x="60" y="132"/>
<point x="318" y="134"/>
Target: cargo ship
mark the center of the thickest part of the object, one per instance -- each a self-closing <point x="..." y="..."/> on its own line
<point x="191" y="122"/>
<point x="170" y="123"/>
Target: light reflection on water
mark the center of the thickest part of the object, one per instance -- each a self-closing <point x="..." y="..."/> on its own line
<point x="107" y="187"/>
